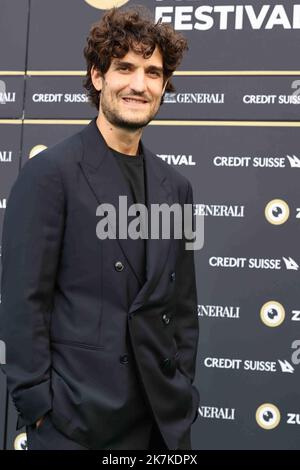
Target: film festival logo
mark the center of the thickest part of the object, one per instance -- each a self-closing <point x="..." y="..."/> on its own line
<point x="277" y="212"/>
<point x="139" y="227"/>
<point x="268" y="416"/>
<point x="20" y="442"/>
<point x="272" y="314"/>
<point x="105" y="4"/>
<point x="36" y="149"/>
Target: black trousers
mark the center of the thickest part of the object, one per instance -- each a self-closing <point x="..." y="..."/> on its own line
<point x="48" y="437"/>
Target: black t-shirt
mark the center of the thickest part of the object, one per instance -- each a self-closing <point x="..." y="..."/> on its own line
<point x="133" y="169"/>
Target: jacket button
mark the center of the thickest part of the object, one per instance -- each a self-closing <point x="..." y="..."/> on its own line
<point x="124" y="359"/>
<point x="173" y="276"/>
<point x="168" y="366"/>
<point x="166" y="319"/>
<point x="166" y="362"/>
<point x="119" y="266"/>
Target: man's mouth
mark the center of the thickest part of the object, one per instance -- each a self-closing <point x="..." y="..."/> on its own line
<point x="137" y="102"/>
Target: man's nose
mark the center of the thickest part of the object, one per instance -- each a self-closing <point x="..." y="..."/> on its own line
<point x="138" y="81"/>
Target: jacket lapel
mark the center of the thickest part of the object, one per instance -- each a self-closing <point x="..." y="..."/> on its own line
<point x="107" y="182"/>
<point x="158" y="191"/>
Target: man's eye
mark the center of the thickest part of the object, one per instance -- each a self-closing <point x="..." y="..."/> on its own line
<point x="125" y="67"/>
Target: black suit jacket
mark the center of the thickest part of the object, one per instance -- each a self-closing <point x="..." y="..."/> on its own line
<point x="84" y="329"/>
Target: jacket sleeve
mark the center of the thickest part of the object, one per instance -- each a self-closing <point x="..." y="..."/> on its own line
<point x="187" y="326"/>
<point x="31" y="239"/>
<point x="186" y="304"/>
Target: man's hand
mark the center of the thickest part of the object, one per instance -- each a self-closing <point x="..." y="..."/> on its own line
<point x="39" y="422"/>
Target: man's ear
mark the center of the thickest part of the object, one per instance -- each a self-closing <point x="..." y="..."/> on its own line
<point x="96" y="78"/>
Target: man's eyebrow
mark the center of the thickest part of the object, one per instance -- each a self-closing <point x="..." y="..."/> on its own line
<point x="129" y="64"/>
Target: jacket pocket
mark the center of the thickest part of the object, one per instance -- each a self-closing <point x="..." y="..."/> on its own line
<point x="76" y="344"/>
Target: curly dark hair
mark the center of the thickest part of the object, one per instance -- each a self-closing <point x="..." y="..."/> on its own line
<point x="118" y="32"/>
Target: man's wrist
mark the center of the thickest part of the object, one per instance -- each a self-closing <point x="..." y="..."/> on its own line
<point x="39" y="422"/>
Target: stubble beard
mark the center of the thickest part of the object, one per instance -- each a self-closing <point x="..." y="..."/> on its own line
<point x="115" y="118"/>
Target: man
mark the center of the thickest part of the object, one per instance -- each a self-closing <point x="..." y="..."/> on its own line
<point x="102" y="333"/>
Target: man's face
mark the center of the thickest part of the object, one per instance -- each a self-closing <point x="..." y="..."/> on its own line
<point x="131" y="90"/>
